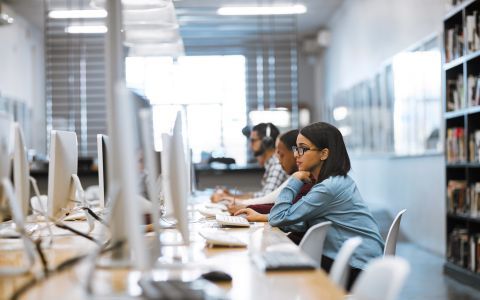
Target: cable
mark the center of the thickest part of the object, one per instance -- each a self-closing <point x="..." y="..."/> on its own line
<point x="95" y="216"/>
<point x="60" y="268"/>
<point x="63" y="226"/>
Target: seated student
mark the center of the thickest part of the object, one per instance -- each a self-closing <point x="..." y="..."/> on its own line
<point x="283" y="147"/>
<point x="321" y="153"/>
<point x="262" y="142"/>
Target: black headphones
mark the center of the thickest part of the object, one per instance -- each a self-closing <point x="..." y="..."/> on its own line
<point x="267" y="140"/>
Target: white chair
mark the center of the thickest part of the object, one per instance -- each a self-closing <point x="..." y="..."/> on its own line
<point x="392" y="236"/>
<point x="382" y="279"/>
<point x="341" y="267"/>
<point x="312" y="241"/>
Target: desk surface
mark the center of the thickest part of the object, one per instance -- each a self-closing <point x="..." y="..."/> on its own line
<point x="248" y="281"/>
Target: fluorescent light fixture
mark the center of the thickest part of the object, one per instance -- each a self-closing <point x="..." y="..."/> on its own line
<point x="5" y="19"/>
<point x="262" y="10"/>
<point x="74" y="29"/>
<point x="340" y="113"/>
<point x="78" y="14"/>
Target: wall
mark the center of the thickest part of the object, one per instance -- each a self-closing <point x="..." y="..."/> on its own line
<point x="22" y="71"/>
<point x="365" y="33"/>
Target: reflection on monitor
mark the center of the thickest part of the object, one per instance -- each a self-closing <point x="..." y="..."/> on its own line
<point x="21" y="170"/>
<point x="63" y="164"/>
<point x="102" y="150"/>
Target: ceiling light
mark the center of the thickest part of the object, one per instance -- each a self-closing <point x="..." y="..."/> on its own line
<point x="78" y="14"/>
<point x="5" y="19"/>
<point x="262" y="10"/>
<point x="86" y="29"/>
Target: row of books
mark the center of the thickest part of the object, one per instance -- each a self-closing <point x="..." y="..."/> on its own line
<point x="455" y="96"/>
<point x="473" y="84"/>
<point x="464" y="249"/>
<point x="454" y="43"/>
<point x="474" y="146"/>
<point x="463" y="199"/>
<point x="456" y="148"/>
<point x="472" y="31"/>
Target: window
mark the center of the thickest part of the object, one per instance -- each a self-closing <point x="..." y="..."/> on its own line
<point x="210" y="90"/>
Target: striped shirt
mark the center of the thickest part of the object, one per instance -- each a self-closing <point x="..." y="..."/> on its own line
<point x="273" y="177"/>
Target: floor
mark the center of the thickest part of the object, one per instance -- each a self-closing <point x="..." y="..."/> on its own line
<point x="426" y="280"/>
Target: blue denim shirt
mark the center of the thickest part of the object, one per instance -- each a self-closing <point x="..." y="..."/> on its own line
<point x="335" y="199"/>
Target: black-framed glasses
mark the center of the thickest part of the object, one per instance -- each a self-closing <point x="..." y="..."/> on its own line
<point x="253" y="140"/>
<point x="301" y="150"/>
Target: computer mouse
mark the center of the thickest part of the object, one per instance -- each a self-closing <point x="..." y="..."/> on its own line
<point x="216" y="276"/>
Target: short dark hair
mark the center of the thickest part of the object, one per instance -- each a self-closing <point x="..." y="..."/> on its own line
<point x="289" y="138"/>
<point x="261" y="129"/>
<point x="324" y="135"/>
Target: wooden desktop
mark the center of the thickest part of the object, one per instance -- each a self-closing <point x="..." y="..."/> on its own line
<point x="248" y="281"/>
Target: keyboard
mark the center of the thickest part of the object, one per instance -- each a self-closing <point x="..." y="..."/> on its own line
<point x="179" y="290"/>
<point x="9" y="230"/>
<point x="284" y="260"/>
<point x="235" y="221"/>
<point x="221" y="238"/>
<point x="211" y="212"/>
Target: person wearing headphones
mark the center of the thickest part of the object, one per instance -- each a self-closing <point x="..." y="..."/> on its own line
<point x="262" y="142"/>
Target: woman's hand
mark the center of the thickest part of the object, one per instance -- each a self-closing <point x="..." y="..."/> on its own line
<point x="251" y="215"/>
<point x="234" y="207"/>
<point x="303" y="176"/>
<point x="220" y="195"/>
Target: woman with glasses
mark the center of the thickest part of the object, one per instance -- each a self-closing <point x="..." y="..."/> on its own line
<point x="257" y="209"/>
<point x="322" y="157"/>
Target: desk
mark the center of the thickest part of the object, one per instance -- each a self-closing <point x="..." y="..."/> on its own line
<point x="248" y="281"/>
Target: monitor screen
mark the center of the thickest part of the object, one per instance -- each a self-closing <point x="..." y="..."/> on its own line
<point x="102" y="149"/>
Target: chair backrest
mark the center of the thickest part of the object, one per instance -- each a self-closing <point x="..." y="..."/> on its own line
<point x="382" y="279"/>
<point x="312" y="241"/>
<point x="391" y="242"/>
<point x="341" y="268"/>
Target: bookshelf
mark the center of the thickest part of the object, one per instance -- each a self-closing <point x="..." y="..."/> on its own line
<point x="461" y="99"/>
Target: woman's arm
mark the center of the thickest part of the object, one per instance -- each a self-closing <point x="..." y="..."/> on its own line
<point x="268" y="198"/>
<point x="284" y="213"/>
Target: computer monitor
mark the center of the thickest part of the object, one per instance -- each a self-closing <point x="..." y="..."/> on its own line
<point x="125" y="213"/>
<point x="21" y="171"/>
<point x="102" y="151"/>
<point x="63" y="164"/>
<point x="7" y="194"/>
<point x="175" y="176"/>
<point x="150" y="165"/>
<point x="5" y="132"/>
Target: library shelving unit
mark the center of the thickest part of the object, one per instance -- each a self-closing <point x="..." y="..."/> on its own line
<point x="461" y="70"/>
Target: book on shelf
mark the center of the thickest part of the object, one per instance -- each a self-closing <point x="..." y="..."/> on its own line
<point x="455" y="97"/>
<point x="463" y="249"/>
<point x="472" y="32"/>
<point x="456" y="196"/>
<point x="456" y="145"/>
<point x="474" y="147"/>
<point x="463" y="200"/>
<point x="454" y="43"/>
